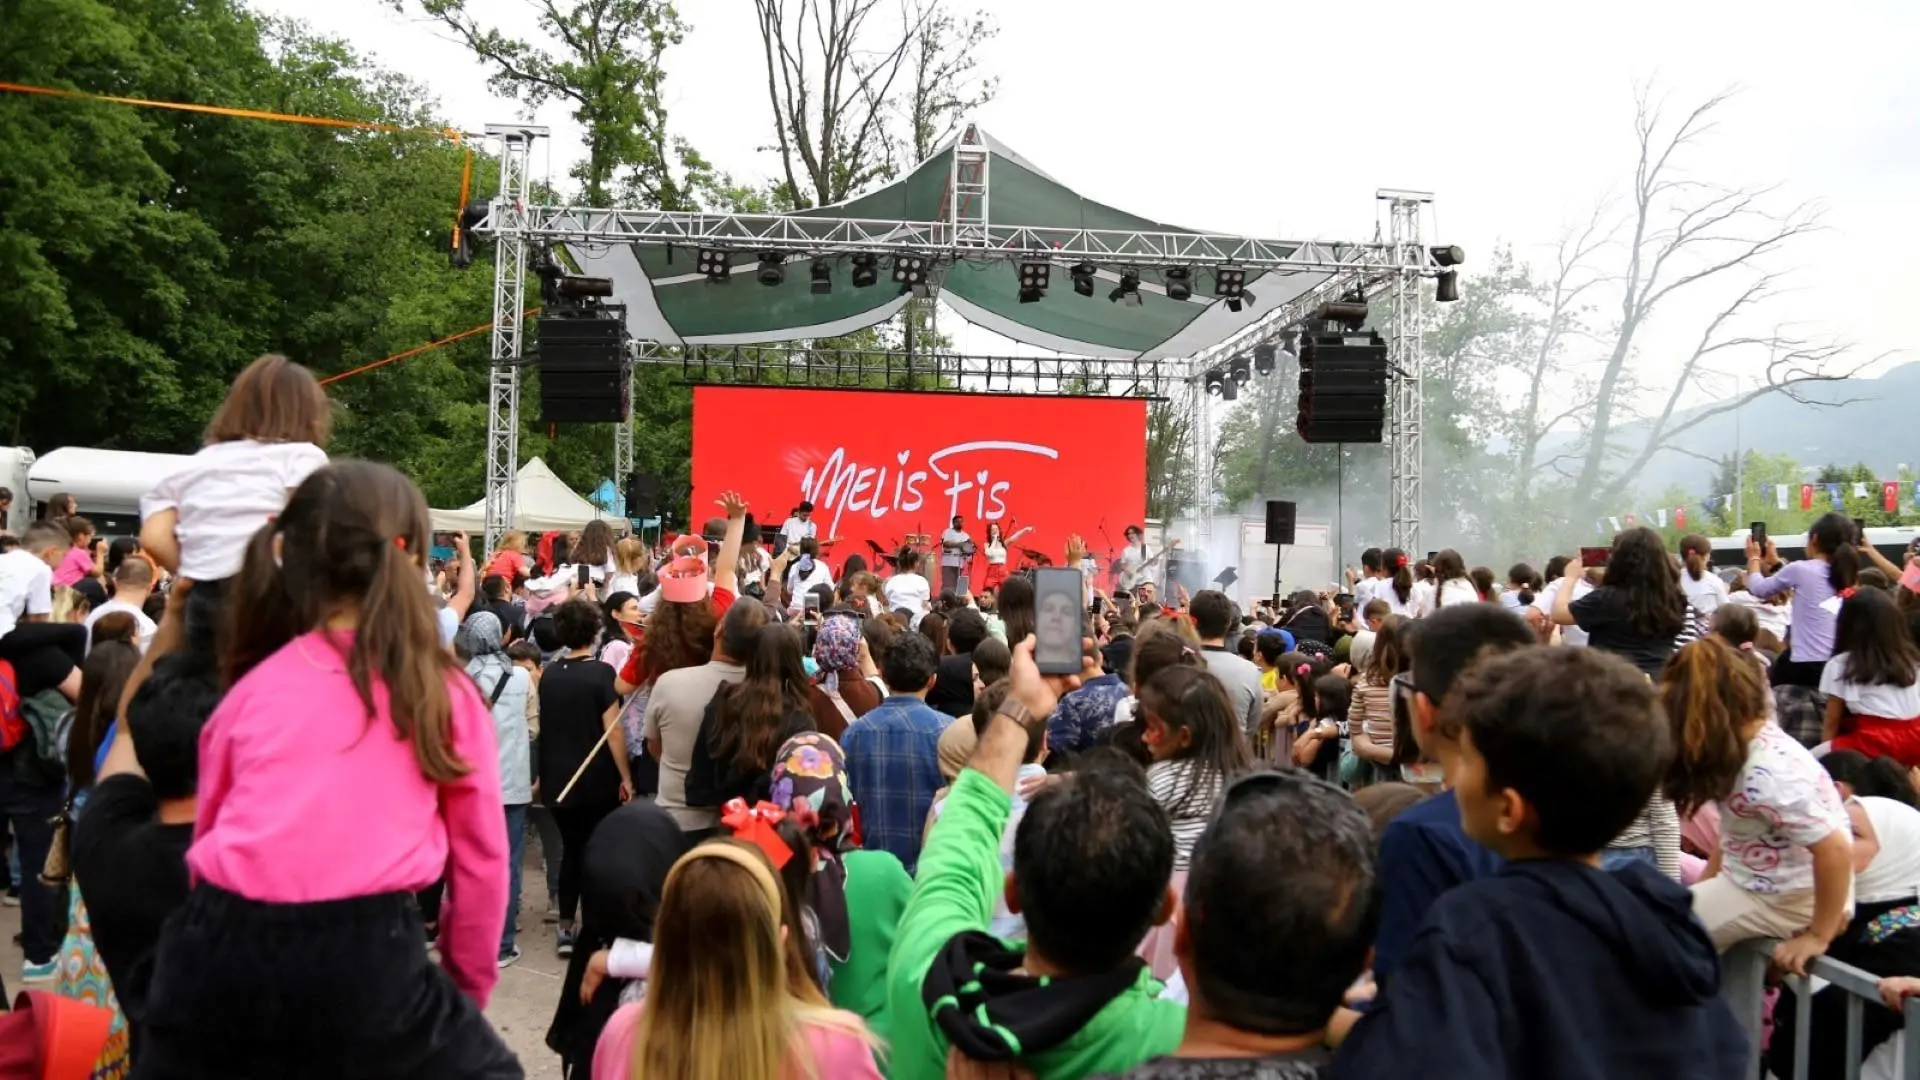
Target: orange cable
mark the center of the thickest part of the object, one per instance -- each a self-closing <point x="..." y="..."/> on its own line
<point x="448" y="340"/>
<point x="222" y="110"/>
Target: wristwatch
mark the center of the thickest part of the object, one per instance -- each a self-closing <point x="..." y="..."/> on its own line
<point x="1016" y="712"/>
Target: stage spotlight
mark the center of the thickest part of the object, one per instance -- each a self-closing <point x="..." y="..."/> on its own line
<point x="1179" y="282"/>
<point x="1229" y="281"/>
<point x="771" y="272"/>
<point x="717" y="265"/>
<point x="1240" y="370"/>
<point x="1290" y="344"/>
<point x="461" y="255"/>
<point x="1235" y="303"/>
<point x="910" y="270"/>
<point x="1446" y="287"/>
<point x="581" y="288"/>
<point x="1128" y="289"/>
<point x="822" y="274"/>
<point x="866" y="269"/>
<point x="1229" y="390"/>
<point x="1263" y="357"/>
<point x="1034" y="277"/>
<point x="1448" y="255"/>
<point x="1083" y="275"/>
<point x="1215" y="381"/>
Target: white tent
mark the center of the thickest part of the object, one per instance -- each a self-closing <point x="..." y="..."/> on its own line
<point x="541" y="503"/>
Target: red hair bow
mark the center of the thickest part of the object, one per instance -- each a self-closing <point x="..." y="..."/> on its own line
<point x="755" y="824"/>
<point x="1399" y="562"/>
<point x="1847" y="593"/>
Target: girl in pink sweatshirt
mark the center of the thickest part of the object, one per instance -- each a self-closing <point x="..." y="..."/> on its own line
<point x="351" y="763"/>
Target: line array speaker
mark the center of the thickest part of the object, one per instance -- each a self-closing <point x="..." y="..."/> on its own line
<point x="1343" y="388"/>
<point x="584" y="371"/>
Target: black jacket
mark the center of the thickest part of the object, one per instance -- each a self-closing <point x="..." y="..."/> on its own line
<point x="712" y="782"/>
<point x="952" y="691"/>
<point x="1553" y="970"/>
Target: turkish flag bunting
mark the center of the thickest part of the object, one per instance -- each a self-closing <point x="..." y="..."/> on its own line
<point x="1679" y="517"/>
<point x="1806" y="496"/>
<point x="1890" y="495"/>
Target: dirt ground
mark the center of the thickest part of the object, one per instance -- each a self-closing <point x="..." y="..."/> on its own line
<point x="522" y="1004"/>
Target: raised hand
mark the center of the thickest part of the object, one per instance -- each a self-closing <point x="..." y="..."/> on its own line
<point x="733" y="504"/>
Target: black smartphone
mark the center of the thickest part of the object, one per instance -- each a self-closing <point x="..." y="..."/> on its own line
<point x="964" y="586"/>
<point x="443" y="539"/>
<point x="582" y="573"/>
<point x="1430" y="556"/>
<point x="1594" y="556"/>
<point x="811" y="602"/>
<point x="1759" y="530"/>
<point x="1859" y="531"/>
<point x="1058" y="622"/>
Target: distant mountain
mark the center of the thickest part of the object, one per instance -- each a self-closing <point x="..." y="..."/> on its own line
<point x="1880" y="427"/>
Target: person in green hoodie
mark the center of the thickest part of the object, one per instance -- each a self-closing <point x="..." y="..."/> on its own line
<point x="1093" y="857"/>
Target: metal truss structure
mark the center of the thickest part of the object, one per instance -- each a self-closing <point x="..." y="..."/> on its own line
<point x="508" y="217"/>
<point x="799" y="366"/>
<point x="1395" y="266"/>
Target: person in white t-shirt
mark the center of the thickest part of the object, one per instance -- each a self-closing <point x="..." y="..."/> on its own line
<point x="799" y="526"/>
<point x="263" y="443"/>
<point x="907" y="588"/>
<point x="807" y="572"/>
<point x="1396" y="585"/>
<point x="1873" y="676"/>
<point x="1453" y="586"/>
<point x="1543" y="603"/>
<point x="955" y="554"/>
<point x="44" y="654"/>
<point x="132" y="583"/>
<point x="1704" y="590"/>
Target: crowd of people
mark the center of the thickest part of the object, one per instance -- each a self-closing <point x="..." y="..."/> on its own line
<point x="273" y="767"/>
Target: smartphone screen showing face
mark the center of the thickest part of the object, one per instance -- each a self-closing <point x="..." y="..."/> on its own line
<point x="1058" y="621"/>
<point x="1594" y="556"/>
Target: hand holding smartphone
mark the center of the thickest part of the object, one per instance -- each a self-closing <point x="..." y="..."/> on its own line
<point x="1059" y="620"/>
<point x="1594" y="556"/>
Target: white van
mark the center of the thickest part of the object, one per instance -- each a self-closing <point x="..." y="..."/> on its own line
<point x="106" y="485"/>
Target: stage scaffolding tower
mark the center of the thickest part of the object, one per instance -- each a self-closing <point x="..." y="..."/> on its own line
<point x="508" y="222"/>
<point x="1395" y="267"/>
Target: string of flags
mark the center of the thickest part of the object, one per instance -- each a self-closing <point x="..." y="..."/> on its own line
<point x="1780" y="497"/>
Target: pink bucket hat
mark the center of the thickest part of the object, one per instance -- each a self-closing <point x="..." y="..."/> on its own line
<point x="684" y="579"/>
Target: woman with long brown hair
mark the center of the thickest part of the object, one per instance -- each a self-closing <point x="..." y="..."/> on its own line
<point x="748" y="720"/>
<point x="1784" y="865"/>
<point x="719" y="1003"/>
<point x="340" y="696"/>
<point x="1637" y="610"/>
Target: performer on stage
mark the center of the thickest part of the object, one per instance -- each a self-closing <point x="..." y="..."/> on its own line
<point x="1135" y="564"/>
<point x="956" y="551"/>
<point x="997" y="553"/>
<point x="798" y="527"/>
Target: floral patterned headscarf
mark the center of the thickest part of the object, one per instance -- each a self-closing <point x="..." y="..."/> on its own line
<point x="836" y="649"/>
<point x="810" y="768"/>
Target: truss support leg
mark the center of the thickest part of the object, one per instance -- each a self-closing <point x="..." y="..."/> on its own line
<point x="623" y="441"/>
<point x="509" y="227"/>
<point x="1406" y="352"/>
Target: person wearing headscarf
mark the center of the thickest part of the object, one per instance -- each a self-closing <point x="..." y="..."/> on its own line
<point x="506" y="687"/>
<point x="624" y="874"/>
<point x="857" y="896"/>
<point x="844" y="689"/>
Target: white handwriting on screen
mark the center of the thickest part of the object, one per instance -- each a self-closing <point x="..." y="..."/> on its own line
<point x="840" y="485"/>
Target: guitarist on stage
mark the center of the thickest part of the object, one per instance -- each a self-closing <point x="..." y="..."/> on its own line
<point x="956" y="551"/>
<point x="1135" y="565"/>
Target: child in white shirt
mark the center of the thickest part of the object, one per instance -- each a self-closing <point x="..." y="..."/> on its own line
<point x="262" y="443"/>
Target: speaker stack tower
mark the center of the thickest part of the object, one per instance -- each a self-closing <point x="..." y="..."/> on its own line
<point x="585" y="372"/>
<point x="1343" y="389"/>
<point x="1281" y="518"/>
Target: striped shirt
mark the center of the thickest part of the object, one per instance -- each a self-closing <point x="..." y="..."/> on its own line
<point x="1189" y="799"/>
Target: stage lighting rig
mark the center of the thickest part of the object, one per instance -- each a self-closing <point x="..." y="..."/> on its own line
<point x="1239" y="370"/>
<point x="1264" y="355"/>
<point x="1446" y="285"/>
<point x="1034" y="277"/>
<point x="1179" y="282"/>
<point x="1215" y="381"/>
<point x="771" y="273"/>
<point x="1128" y="289"/>
<point x="716" y="264"/>
<point x="910" y="271"/>
<point x="461" y="254"/>
<point x="1083" y="275"/>
<point x="1236" y="302"/>
<point x="822" y="276"/>
<point x="1229" y="282"/>
<point x="866" y="269"/>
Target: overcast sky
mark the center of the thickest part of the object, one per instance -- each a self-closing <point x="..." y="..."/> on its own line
<point x="1281" y="119"/>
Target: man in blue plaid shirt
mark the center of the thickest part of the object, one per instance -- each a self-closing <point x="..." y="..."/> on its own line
<point x="893" y="762"/>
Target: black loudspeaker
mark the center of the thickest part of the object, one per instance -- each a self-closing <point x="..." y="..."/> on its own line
<point x="643" y="495"/>
<point x="584" y="370"/>
<point x="1279" y="522"/>
<point x="1343" y="388"/>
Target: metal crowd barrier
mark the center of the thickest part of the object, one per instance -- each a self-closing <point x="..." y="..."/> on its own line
<point x="1743" y="981"/>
